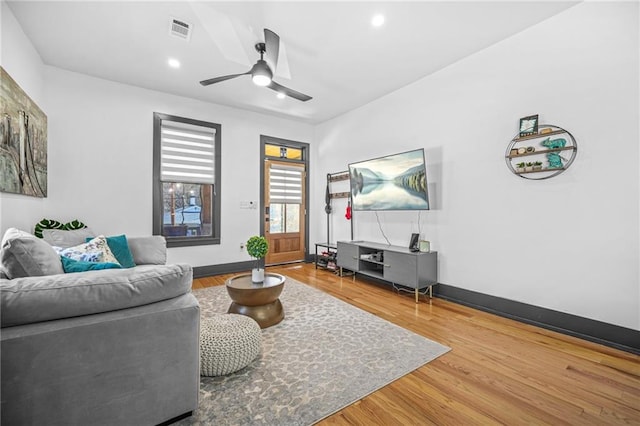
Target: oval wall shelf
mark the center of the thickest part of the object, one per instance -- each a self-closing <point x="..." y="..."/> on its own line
<point x="543" y="155"/>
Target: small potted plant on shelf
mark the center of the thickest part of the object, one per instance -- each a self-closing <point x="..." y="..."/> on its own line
<point x="257" y="247"/>
<point x="529" y="167"/>
<point x="520" y="167"/>
<point x="537" y="165"/>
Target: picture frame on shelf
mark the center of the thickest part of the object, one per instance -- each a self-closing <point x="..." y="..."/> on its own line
<point x="529" y="125"/>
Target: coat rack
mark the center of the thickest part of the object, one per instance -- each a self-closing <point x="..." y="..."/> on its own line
<point x="335" y="177"/>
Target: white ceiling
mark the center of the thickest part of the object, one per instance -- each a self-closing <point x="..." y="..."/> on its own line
<point x="333" y="52"/>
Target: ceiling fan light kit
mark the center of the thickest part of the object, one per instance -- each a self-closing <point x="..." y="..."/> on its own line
<point x="261" y="74"/>
<point x="263" y="70"/>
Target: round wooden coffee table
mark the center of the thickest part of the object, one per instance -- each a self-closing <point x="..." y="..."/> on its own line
<point x="257" y="300"/>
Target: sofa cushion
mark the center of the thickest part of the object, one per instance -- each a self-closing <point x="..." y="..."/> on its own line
<point x="63" y="238"/>
<point x="34" y="299"/>
<point x="24" y="255"/>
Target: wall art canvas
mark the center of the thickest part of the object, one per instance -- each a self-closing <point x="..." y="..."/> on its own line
<point x="23" y="141"/>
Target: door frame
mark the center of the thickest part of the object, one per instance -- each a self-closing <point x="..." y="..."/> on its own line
<point x="304" y="147"/>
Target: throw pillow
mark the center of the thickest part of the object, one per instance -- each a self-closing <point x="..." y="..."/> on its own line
<point x="46" y="224"/>
<point x="151" y="250"/>
<point x="64" y="239"/>
<point x="71" y="265"/>
<point x="120" y="249"/>
<point x="74" y="224"/>
<point x="24" y="255"/>
<point x="98" y="244"/>
<point x="81" y="256"/>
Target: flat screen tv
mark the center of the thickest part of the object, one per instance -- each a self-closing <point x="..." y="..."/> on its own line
<point x="394" y="182"/>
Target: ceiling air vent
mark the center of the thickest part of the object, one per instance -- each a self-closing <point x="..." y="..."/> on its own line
<point x="180" y="29"/>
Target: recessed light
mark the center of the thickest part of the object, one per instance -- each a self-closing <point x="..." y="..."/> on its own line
<point x="173" y="63"/>
<point x="280" y="95"/>
<point x="377" y="20"/>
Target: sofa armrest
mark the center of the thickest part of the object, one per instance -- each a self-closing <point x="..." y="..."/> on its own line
<point x="151" y="250"/>
<point x="136" y="366"/>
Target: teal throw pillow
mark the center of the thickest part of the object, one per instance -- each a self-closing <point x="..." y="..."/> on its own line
<point x="70" y="265"/>
<point x="120" y="249"/>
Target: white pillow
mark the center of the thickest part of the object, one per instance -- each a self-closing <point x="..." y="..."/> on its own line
<point x="95" y="250"/>
<point x="63" y="238"/>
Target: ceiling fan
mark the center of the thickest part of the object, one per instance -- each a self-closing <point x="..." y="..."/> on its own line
<point x="262" y="71"/>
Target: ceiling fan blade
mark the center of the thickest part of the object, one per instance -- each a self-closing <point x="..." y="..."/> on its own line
<point x="289" y="92"/>
<point x="272" y="44"/>
<point x="223" y="78"/>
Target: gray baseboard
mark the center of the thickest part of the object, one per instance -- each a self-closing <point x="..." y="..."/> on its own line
<point x="603" y="333"/>
<point x="606" y="334"/>
<point x="225" y="268"/>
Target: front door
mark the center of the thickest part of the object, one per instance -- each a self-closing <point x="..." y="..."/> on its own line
<point x="284" y="211"/>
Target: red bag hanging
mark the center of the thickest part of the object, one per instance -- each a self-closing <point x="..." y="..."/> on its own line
<point x="348" y="213"/>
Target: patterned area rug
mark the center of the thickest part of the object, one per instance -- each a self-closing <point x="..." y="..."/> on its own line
<point x="325" y="355"/>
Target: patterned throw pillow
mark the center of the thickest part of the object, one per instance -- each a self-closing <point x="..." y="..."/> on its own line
<point x="120" y="249"/>
<point x="79" y="255"/>
<point x="46" y="224"/>
<point x="97" y="249"/>
<point x="54" y="224"/>
<point x="74" y="224"/>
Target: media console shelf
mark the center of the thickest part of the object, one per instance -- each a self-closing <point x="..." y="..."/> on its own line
<point x="398" y="265"/>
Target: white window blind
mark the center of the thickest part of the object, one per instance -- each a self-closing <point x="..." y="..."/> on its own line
<point x="285" y="183"/>
<point x="187" y="153"/>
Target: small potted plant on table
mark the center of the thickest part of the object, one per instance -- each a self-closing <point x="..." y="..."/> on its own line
<point x="520" y="167"/>
<point x="257" y="247"/>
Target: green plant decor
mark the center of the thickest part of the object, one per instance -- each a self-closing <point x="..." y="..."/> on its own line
<point x="54" y="224"/>
<point x="257" y="247"/>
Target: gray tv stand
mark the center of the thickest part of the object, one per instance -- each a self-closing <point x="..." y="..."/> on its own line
<point x="398" y="265"/>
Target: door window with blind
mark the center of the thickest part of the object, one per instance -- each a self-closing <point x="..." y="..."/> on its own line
<point x="186" y="168"/>
<point x="285" y="197"/>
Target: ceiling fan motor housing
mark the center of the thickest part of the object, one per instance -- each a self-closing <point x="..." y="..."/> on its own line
<point x="261" y="48"/>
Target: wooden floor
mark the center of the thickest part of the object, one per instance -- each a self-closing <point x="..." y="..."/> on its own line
<point x="499" y="371"/>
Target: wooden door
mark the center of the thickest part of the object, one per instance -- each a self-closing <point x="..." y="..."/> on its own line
<point x="284" y="213"/>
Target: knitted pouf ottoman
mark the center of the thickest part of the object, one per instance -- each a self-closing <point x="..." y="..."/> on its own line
<point x="228" y="343"/>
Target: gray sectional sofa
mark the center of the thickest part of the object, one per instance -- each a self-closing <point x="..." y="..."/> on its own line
<point x="112" y="347"/>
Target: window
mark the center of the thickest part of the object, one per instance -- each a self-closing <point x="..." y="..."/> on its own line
<point x="186" y="180"/>
<point x="279" y="151"/>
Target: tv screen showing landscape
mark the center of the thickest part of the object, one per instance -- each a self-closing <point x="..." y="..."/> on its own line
<point x="394" y="182"/>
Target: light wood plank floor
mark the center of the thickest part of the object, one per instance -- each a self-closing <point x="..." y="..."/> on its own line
<point x="499" y="371"/>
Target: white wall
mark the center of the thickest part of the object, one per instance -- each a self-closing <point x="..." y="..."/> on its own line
<point x="21" y="61"/>
<point x="100" y="162"/>
<point x="569" y="243"/>
<point x="100" y="152"/>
